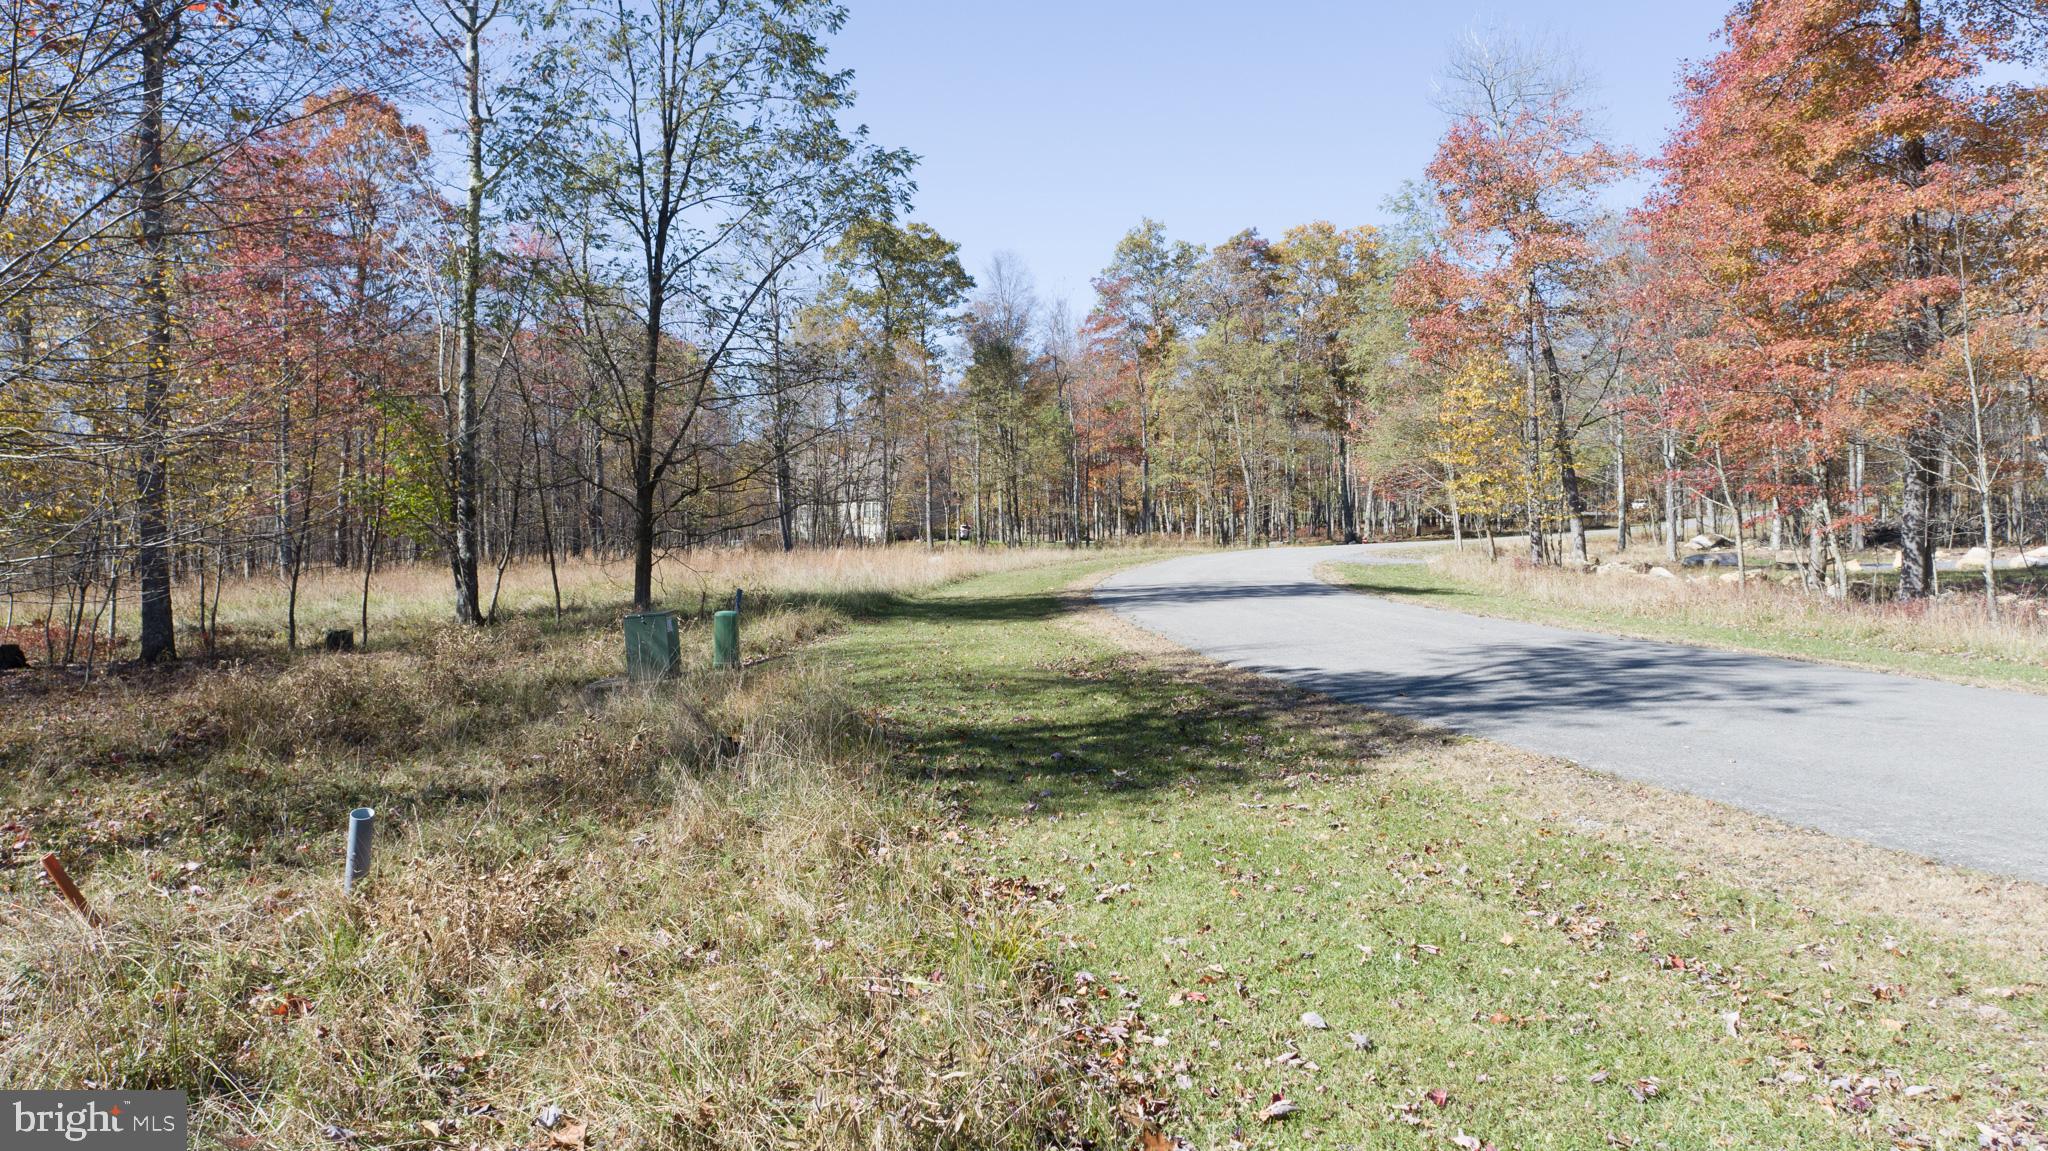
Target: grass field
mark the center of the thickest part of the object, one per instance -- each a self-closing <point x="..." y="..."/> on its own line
<point x="952" y="865"/>
<point x="700" y="916"/>
<point x="1948" y="639"/>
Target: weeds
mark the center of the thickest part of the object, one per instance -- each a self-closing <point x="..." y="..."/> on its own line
<point x="696" y="915"/>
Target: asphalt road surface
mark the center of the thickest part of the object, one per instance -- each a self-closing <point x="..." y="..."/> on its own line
<point x="1958" y="774"/>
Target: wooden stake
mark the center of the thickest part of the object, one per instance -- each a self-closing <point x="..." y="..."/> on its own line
<point x="72" y="895"/>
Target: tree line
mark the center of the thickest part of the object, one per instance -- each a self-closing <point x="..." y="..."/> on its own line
<point x="1820" y="329"/>
<point x="480" y="282"/>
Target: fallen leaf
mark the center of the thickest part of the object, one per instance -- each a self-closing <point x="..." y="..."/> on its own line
<point x="1280" y="1108"/>
<point x="1313" y="1022"/>
<point x="571" y="1135"/>
<point x="549" y="1116"/>
<point x="1360" y="1041"/>
<point x="1440" y="1097"/>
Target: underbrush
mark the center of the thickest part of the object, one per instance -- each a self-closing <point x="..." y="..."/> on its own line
<point x="697" y="915"/>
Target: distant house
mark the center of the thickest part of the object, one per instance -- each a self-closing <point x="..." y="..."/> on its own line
<point x="854" y="519"/>
<point x="830" y="522"/>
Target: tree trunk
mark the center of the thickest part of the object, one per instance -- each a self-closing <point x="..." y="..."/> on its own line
<point x="1916" y="550"/>
<point x="463" y="546"/>
<point x="1620" y="486"/>
<point x="1344" y="495"/>
<point x="375" y="529"/>
<point x="1983" y="453"/>
<point x="1921" y="444"/>
<point x="1856" y="496"/>
<point x="1672" y="526"/>
<point x="1532" y="434"/>
<point x="1561" y="436"/>
<point x="152" y="490"/>
<point x="1144" y="469"/>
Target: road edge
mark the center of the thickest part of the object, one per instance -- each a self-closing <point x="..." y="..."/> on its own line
<point x="1809" y="868"/>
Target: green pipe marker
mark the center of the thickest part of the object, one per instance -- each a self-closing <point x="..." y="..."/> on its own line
<point x="654" y="646"/>
<point x="725" y="639"/>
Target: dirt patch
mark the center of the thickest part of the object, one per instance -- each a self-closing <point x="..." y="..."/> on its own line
<point x="1805" y="867"/>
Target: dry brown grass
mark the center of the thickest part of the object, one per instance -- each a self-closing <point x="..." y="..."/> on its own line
<point x="692" y="582"/>
<point x="1950" y="636"/>
<point x="695" y="916"/>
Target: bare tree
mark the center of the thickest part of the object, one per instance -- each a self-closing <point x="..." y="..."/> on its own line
<point x="709" y="150"/>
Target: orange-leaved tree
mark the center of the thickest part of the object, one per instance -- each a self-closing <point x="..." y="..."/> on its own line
<point x="1836" y="164"/>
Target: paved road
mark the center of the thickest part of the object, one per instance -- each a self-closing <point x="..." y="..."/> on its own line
<point x="1958" y="774"/>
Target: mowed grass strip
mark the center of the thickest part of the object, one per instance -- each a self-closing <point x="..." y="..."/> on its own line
<point x="1310" y="940"/>
<point x="1947" y="639"/>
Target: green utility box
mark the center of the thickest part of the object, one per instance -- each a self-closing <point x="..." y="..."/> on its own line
<point x="654" y="646"/>
<point x="725" y="639"/>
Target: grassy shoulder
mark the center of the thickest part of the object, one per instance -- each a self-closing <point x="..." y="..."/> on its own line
<point x="1295" y="936"/>
<point x="1950" y="641"/>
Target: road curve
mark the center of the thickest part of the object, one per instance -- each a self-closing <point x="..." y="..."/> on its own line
<point x="1958" y="774"/>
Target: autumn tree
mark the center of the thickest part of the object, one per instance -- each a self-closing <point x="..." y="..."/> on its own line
<point x="898" y="285"/>
<point x="1478" y="427"/>
<point x="119" y="121"/>
<point x="707" y="147"/>
<point x="307" y="316"/>
<point x="1331" y="280"/>
<point x="1142" y="299"/>
<point x="1834" y="164"/>
<point x="1517" y="179"/>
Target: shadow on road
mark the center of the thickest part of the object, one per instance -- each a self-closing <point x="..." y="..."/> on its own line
<point x="1573" y="682"/>
<point x="1128" y="598"/>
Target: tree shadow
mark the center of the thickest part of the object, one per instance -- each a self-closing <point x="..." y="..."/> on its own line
<point x="853" y="604"/>
<point x="1093" y="733"/>
<point x="1060" y="732"/>
<point x="1159" y="739"/>
<point x="1572" y="682"/>
<point x="1124" y="598"/>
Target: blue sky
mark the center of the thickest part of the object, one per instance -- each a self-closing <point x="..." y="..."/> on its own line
<point x="1048" y="128"/>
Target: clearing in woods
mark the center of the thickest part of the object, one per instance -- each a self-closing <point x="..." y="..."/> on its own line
<point x="958" y="861"/>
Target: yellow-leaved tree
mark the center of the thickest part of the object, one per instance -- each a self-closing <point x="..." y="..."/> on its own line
<point x="1479" y="444"/>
